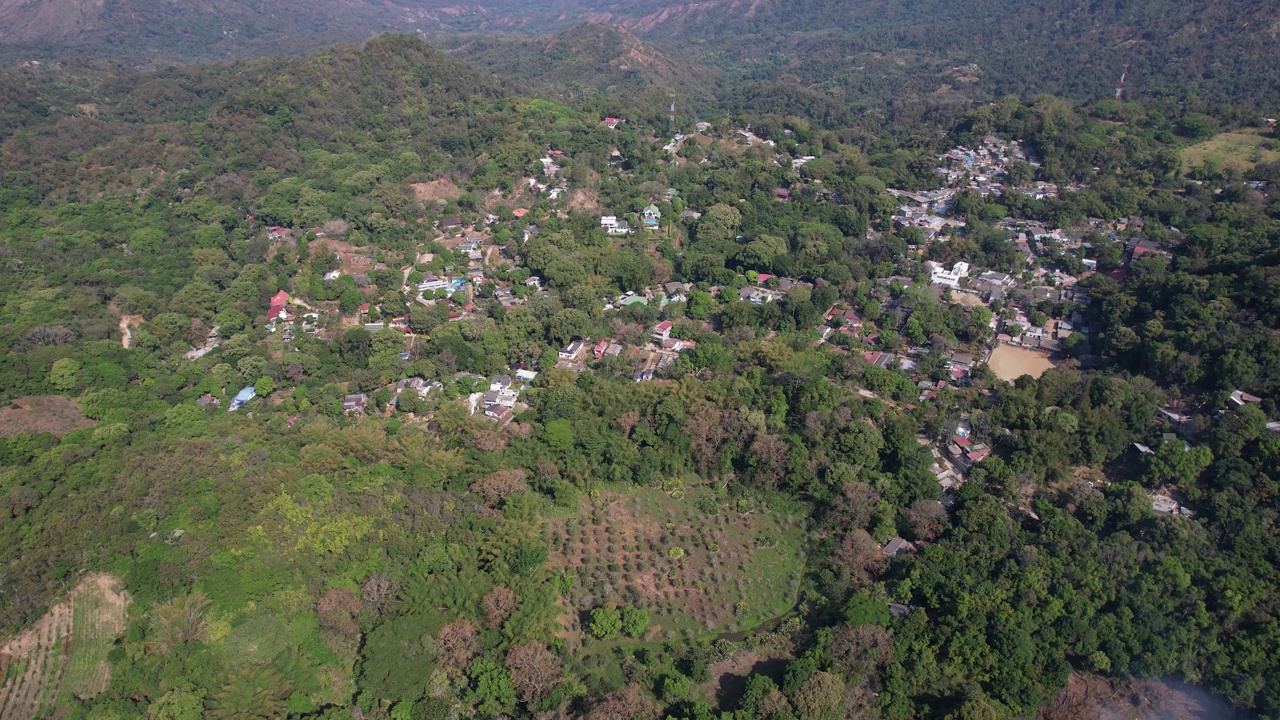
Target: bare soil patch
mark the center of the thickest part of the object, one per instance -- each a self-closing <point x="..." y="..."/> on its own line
<point x="1010" y="363"/>
<point x="584" y="200"/>
<point x="42" y="413"/>
<point x="441" y="190"/>
<point x="127" y="323"/>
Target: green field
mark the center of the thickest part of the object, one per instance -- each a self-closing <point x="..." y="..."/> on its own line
<point x="1241" y="150"/>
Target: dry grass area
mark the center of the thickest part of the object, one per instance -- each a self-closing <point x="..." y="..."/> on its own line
<point x="64" y="654"/>
<point x="42" y="413"/>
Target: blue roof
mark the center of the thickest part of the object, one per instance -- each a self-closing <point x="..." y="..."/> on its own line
<point x="246" y="394"/>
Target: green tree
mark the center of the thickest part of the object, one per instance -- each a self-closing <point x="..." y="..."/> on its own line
<point x="606" y="623"/>
<point x="634" y="621"/>
<point x="491" y="690"/>
<point x="65" y="374"/>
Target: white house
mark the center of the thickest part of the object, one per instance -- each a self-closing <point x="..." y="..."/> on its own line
<point x="613" y="226"/>
<point x="950" y="278"/>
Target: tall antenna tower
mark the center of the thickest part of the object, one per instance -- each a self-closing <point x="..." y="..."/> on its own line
<point x="1120" y="85"/>
<point x="673" y="114"/>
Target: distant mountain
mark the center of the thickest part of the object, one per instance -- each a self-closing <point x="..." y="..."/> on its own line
<point x="586" y="59"/>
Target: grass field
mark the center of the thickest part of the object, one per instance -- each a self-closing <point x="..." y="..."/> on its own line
<point x="1241" y="150"/>
<point x="698" y="564"/>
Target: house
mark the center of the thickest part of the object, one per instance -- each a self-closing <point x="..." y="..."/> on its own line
<point x="662" y="331"/>
<point x="1240" y="398"/>
<point x="502" y="415"/>
<point x="690" y="215"/>
<point x="939" y="275"/>
<point x="702" y="127"/>
<point x="962" y="359"/>
<point x="451" y="222"/>
<point x="571" y="351"/>
<point x="614" y="226"/>
<point x="897" y="547"/>
<point x="242" y="397"/>
<point x="641" y="375"/>
<point x="613" y="350"/>
<point x="526" y="375"/>
<point x="333" y="275"/>
<point x="354" y="403"/>
<point x="650" y="216"/>
<point x="612" y="122"/>
<point x="782" y="194"/>
<point x="500" y="383"/>
<point x="431" y="283"/>
<point x="278" y="233"/>
<point x="505" y="398"/>
<point x="600" y="349"/>
<point x="207" y="400"/>
<point x="277" y="310"/>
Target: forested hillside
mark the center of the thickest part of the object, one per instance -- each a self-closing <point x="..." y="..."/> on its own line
<point x="590" y="59"/>
<point x="855" y="52"/>
<point x="368" y="384"/>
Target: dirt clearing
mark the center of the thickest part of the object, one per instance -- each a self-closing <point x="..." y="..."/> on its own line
<point x="1010" y="363"/>
<point x="435" y="191"/>
<point x="42" y="413"/>
<point x="64" y="654"/>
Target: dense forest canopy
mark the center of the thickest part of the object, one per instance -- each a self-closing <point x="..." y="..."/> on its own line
<point x="313" y="408"/>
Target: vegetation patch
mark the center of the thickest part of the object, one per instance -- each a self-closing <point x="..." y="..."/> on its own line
<point x="695" y="561"/>
<point x="64" y="654"/>
<point x="1240" y="150"/>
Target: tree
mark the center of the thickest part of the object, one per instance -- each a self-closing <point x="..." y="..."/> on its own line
<point x="535" y="671"/>
<point x="350" y="301"/>
<point x="854" y="506"/>
<point x="458" y="641"/>
<point x="184" y="702"/>
<point x="858" y="650"/>
<point x="821" y="697"/>
<point x="178" y="622"/>
<point x="498" y="604"/>
<point x="634" y="621"/>
<point x="701" y="303"/>
<point x="336" y="612"/>
<point x="264" y="386"/>
<point x="858" y="555"/>
<point x="568" y="325"/>
<point x="250" y="692"/>
<point x="65" y="374"/>
<point x="379" y="591"/>
<point x="491" y="693"/>
<point x="495" y="487"/>
<point x="605" y="623"/>
<point x="926" y="519"/>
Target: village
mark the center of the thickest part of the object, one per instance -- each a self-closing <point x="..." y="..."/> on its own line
<point x="1038" y="306"/>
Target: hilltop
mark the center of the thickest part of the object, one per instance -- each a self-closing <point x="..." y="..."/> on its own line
<point x="586" y="59"/>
